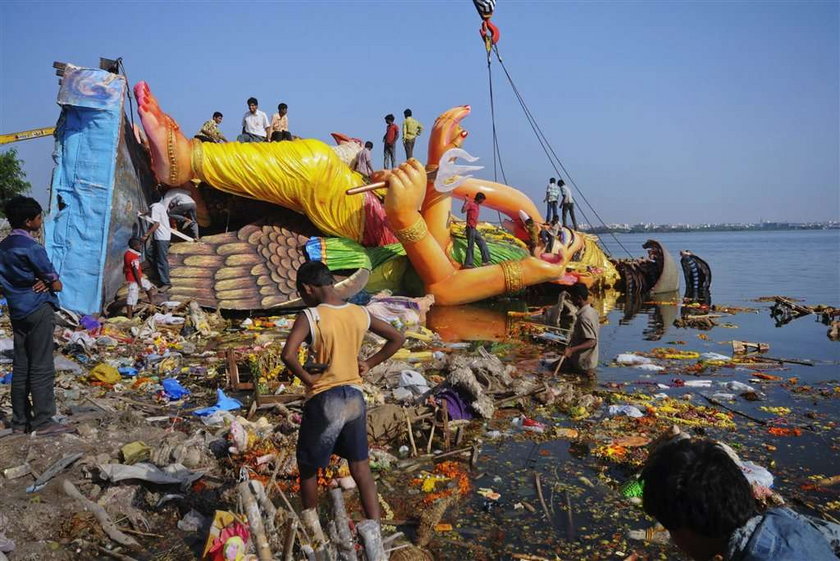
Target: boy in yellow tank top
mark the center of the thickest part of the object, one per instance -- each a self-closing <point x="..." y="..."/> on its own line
<point x="334" y="416"/>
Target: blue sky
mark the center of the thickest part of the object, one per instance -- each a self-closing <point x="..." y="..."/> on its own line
<point x="661" y="111"/>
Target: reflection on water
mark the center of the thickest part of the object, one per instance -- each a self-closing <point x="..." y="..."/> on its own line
<point x="492" y="321"/>
<point x="487" y="321"/>
<point x="661" y="313"/>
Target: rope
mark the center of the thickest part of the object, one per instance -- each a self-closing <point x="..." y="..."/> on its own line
<point x="497" y="155"/>
<point x="552" y="155"/>
<point x="130" y="92"/>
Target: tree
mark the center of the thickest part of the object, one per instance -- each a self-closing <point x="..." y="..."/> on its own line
<point x="12" y="176"/>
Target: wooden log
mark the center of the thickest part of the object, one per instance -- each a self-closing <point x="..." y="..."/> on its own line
<point x="346" y="547"/>
<point x="101" y="516"/>
<point x="370" y="534"/>
<point x="252" y="511"/>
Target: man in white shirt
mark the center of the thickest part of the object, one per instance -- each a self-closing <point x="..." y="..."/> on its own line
<point x="363" y="161"/>
<point x="255" y="125"/>
<point x="161" y="234"/>
<point x="568" y="204"/>
<point x="181" y="208"/>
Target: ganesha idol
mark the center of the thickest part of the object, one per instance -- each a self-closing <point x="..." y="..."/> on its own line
<point x="400" y="236"/>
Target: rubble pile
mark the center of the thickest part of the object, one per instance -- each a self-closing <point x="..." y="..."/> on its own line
<point x="187" y="423"/>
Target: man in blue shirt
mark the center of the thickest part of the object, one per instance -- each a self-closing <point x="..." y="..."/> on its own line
<point x="697" y="491"/>
<point x="29" y="283"/>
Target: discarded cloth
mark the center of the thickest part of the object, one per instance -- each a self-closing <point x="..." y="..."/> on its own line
<point x="456" y="406"/>
<point x="170" y="475"/>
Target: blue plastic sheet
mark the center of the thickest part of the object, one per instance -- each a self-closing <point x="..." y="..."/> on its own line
<point x="173" y="389"/>
<point x="223" y="403"/>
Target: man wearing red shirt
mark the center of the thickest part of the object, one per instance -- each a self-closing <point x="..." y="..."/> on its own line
<point x="471" y="210"/>
<point x="392" y="132"/>
<point x="134" y="276"/>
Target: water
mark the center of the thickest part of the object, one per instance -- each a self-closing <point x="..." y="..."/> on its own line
<point x="745" y="266"/>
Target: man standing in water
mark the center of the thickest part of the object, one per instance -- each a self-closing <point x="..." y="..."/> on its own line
<point x="581" y="355"/>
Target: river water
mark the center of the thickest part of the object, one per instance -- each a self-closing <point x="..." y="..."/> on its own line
<point x="745" y="266"/>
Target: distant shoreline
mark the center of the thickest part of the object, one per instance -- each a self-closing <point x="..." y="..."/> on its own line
<point x="667" y="228"/>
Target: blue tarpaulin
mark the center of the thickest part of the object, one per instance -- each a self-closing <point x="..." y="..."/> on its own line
<point x="77" y="227"/>
<point x="100" y="182"/>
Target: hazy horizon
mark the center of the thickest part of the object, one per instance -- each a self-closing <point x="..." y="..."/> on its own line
<point x="662" y="112"/>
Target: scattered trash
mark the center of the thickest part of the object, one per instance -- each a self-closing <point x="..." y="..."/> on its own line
<point x="628" y="410"/>
<point x="173" y="389"/>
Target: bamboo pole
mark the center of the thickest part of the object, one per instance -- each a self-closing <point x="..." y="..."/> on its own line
<point x="252" y="511"/>
<point x="371" y="536"/>
<point x="346" y="547"/>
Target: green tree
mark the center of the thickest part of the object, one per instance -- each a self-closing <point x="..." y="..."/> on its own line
<point x="12" y="176"/>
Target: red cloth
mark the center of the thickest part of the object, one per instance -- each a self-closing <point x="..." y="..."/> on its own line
<point x="131" y="266"/>
<point x="391" y="133"/>
<point x="472" y="210"/>
<point x="377" y="233"/>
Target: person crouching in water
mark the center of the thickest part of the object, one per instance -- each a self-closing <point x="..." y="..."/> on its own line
<point x="334" y="415"/>
<point x="701" y="496"/>
<point x="134" y="277"/>
<point x="581" y="356"/>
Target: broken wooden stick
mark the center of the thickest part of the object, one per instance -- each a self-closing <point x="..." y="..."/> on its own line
<point x="446" y="435"/>
<point x="540" y="495"/>
<point x="559" y="364"/>
<point x="410" y="433"/>
<point x="714" y="401"/>
<point x="115" y="554"/>
<point x="570" y="523"/>
<point x="289" y="544"/>
<point x="101" y="516"/>
<point x="431" y="436"/>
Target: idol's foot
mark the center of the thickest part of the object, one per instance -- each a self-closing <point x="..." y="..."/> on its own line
<point x="169" y="148"/>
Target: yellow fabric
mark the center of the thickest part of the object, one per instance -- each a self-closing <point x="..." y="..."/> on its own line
<point x="594" y="257"/>
<point x="305" y="176"/>
<point x="387" y="276"/>
<point x="105" y="373"/>
<point x="337" y="339"/>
